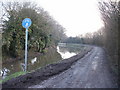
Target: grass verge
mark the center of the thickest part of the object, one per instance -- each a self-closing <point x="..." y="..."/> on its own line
<point x="12" y="76"/>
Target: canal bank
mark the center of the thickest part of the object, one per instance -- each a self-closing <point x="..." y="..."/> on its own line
<point x="36" y="60"/>
<point x="45" y="72"/>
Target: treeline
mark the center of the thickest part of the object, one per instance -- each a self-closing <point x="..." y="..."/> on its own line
<point x="110" y="12"/>
<point x="95" y="38"/>
<point x="107" y="36"/>
<point x="43" y="32"/>
<point x="72" y="40"/>
<point x="89" y="38"/>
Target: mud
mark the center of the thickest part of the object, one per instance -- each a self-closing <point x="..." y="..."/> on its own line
<point x="44" y="73"/>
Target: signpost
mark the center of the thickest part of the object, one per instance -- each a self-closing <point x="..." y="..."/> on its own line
<point x="26" y="23"/>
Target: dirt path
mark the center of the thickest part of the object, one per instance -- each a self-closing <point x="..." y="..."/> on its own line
<point x="44" y="73"/>
<point x="91" y="71"/>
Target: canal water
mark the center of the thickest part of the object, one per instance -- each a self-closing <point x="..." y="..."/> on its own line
<point x="63" y="51"/>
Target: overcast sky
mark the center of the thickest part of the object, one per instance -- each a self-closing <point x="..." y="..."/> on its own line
<point x="77" y="16"/>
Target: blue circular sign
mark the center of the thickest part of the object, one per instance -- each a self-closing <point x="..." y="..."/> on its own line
<point x="26" y="23"/>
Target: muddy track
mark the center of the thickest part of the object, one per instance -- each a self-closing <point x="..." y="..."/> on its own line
<point x="44" y="73"/>
<point x="91" y="71"/>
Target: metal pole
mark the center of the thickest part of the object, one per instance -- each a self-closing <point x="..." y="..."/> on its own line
<point x="26" y="39"/>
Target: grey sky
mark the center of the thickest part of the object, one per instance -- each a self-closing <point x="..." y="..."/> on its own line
<point x="77" y="16"/>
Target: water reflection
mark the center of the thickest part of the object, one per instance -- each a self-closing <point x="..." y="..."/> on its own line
<point x="64" y="53"/>
<point x="68" y="50"/>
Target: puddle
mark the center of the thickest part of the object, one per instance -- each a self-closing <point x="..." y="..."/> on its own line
<point x="94" y="65"/>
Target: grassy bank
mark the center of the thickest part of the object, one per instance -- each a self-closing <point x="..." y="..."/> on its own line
<point x="12" y="76"/>
<point x="50" y="56"/>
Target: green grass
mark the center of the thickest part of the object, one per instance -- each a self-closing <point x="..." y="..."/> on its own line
<point x="12" y="76"/>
